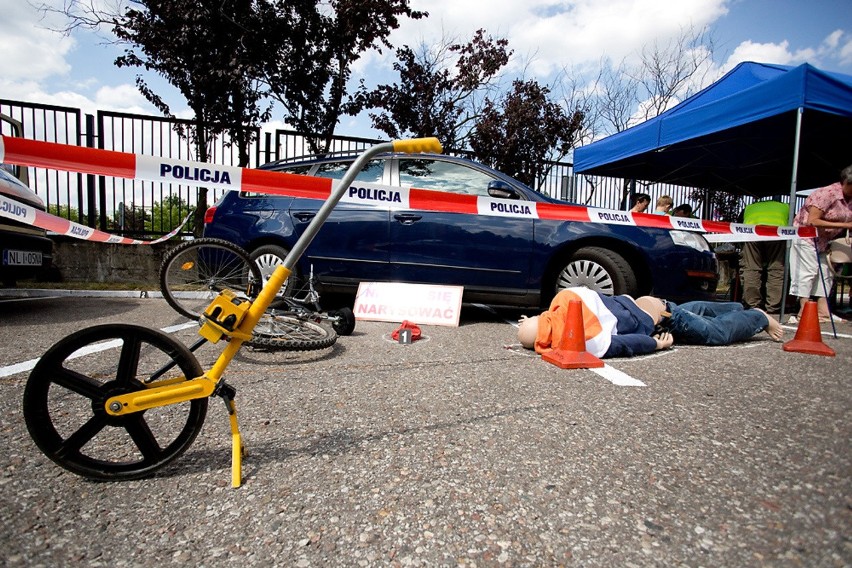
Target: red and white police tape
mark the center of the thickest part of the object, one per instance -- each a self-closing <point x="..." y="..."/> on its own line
<point x="25" y="152"/>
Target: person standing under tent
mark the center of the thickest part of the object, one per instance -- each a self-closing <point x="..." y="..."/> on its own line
<point x="829" y="209"/>
<point x="759" y="258"/>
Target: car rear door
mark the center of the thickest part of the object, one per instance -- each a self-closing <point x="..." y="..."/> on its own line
<point x="476" y="251"/>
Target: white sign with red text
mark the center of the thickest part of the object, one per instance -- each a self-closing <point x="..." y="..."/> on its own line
<point x="423" y="304"/>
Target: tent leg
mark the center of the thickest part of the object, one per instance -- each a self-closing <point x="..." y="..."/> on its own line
<point x="793" y="183"/>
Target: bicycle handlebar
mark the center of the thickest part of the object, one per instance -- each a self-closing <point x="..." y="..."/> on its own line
<point x="415" y="145"/>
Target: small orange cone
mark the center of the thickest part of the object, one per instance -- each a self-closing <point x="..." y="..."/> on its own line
<point x="571" y="352"/>
<point x="809" y="336"/>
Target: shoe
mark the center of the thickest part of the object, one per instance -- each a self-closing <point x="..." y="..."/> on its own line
<point x="793" y="320"/>
<point x="829" y="319"/>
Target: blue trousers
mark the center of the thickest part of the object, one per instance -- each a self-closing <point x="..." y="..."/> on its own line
<point x="714" y="323"/>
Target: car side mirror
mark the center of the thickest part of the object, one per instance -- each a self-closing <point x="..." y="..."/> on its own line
<point x="502" y="190"/>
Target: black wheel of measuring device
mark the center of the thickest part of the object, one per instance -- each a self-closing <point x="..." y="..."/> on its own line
<point x="193" y="273"/>
<point x="343" y="321"/>
<point x="65" y="395"/>
<point x="288" y="332"/>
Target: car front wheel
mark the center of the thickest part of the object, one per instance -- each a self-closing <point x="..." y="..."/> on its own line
<point x="598" y="269"/>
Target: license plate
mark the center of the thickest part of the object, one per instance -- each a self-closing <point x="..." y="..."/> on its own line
<point x="21" y="258"/>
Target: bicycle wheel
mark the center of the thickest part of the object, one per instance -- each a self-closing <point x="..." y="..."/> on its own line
<point x="288" y="332"/>
<point x="193" y="273"/>
<point x="66" y="392"/>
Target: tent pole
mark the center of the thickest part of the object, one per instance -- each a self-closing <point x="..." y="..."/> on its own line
<point x="792" y="213"/>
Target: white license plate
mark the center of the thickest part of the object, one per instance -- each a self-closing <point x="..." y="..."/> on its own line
<point x="21" y="258"/>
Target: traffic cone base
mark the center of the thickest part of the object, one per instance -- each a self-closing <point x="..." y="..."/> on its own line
<point x="809" y="335"/>
<point x="572" y="359"/>
<point x="571" y="352"/>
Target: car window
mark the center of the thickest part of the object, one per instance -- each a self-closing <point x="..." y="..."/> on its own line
<point x="443" y="176"/>
<point x="372" y="172"/>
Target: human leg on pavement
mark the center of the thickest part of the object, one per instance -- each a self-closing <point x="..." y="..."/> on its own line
<point x="751" y="267"/>
<point x="805" y="270"/>
<point x="716" y="323"/>
<point x="775" y="253"/>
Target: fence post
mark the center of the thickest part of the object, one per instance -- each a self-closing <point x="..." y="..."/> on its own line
<point x="102" y="201"/>
<point x="91" y="214"/>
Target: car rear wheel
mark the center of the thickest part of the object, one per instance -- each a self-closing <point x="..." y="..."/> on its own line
<point x="598" y="269"/>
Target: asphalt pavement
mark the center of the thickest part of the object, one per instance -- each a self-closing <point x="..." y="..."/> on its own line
<point x="461" y="449"/>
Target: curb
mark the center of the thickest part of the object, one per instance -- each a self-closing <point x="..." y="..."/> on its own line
<point x="13" y="293"/>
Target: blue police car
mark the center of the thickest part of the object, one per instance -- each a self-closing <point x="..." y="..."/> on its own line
<point x="506" y="260"/>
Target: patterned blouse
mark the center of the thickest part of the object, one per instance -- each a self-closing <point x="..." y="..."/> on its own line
<point x="835" y="207"/>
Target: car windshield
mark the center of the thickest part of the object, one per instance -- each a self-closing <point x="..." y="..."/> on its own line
<point x="443" y="176"/>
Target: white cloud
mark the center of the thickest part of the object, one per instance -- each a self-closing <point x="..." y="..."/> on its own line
<point x="30" y="50"/>
<point x="548" y="35"/>
<point x="837" y="46"/>
<point x="778" y="53"/>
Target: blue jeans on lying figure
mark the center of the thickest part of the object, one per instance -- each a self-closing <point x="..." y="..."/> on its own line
<point x="714" y="323"/>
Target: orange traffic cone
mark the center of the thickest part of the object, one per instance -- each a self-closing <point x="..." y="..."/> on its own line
<point x="571" y="352"/>
<point x="809" y="337"/>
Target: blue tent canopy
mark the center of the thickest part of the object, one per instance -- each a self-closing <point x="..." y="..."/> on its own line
<point x="760" y="130"/>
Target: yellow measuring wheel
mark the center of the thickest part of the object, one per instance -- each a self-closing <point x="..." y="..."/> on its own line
<point x="117" y="420"/>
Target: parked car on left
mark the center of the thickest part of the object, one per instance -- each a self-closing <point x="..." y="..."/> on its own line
<point x="27" y="251"/>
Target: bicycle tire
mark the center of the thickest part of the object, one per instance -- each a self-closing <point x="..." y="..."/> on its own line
<point x="64" y="406"/>
<point x="193" y="273"/>
<point x="288" y="332"/>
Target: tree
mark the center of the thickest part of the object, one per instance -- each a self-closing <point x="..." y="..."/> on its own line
<point x="520" y="132"/>
<point x="628" y="94"/>
<point x="208" y="51"/>
<point x="131" y="219"/>
<point x="309" y="66"/>
<point x="64" y="211"/>
<point x="435" y="97"/>
<point x="665" y="74"/>
<point x="166" y="215"/>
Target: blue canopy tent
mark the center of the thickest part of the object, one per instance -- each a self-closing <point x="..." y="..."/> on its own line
<point x="760" y="130"/>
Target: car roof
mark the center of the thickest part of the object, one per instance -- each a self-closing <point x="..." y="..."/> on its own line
<point x="311" y="160"/>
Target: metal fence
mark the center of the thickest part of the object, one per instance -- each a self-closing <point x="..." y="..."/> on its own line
<point x="118" y="205"/>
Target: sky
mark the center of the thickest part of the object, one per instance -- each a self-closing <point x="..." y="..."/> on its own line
<point x="40" y="65"/>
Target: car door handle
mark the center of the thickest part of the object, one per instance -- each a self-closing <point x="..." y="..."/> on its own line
<point x="407" y="218"/>
<point x="304" y="216"/>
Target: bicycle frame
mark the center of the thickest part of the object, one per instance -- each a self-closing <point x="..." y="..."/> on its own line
<point x="228" y="316"/>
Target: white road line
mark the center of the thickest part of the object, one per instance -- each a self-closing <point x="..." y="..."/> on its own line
<point x="10" y="370"/>
<point x="618" y="378"/>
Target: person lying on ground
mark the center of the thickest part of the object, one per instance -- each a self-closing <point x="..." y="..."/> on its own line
<point x="620" y="326"/>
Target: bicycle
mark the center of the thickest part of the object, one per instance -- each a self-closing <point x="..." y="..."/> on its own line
<point x="100" y="422"/>
<point x="194" y="272"/>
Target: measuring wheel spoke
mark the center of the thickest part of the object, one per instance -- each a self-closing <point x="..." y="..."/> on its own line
<point x="72" y="445"/>
<point x="78" y="383"/>
<point x="142" y="436"/>
<point x="128" y="362"/>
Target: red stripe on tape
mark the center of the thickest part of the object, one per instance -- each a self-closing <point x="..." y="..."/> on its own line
<point x="51" y="223"/>
<point x="765" y="231"/>
<point x="439" y="201"/>
<point x="282" y="183"/>
<point x="72" y="158"/>
<point x="651" y="220"/>
<point x="717" y="226"/>
<point x="558" y="212"/>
